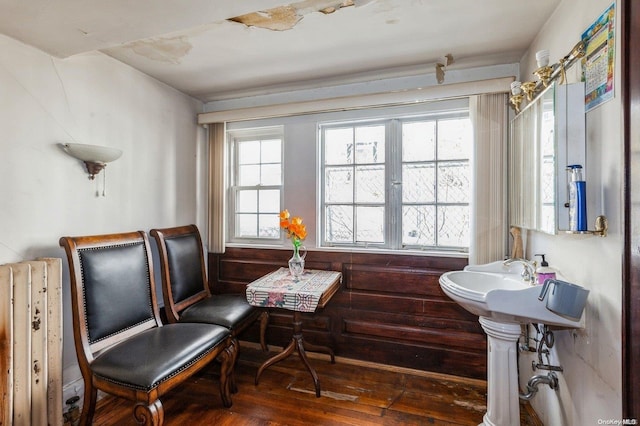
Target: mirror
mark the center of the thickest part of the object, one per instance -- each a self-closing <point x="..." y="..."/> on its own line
<point x="546" y="136"/>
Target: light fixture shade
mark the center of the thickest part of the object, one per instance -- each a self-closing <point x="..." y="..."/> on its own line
<point x="516" y="88"/>
<point x="95" y="157"/>
<point x="92" y="153"/>
<point x="542" y="58"/>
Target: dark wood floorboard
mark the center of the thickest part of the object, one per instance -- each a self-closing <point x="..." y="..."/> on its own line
<point x="352" y="394"/>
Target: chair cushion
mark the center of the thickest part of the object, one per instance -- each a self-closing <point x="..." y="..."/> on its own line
<point x="185" y="266"/>
<point x="147" y="359"/>
<point x="227" y="310"/>
<point x="115" y="288"/>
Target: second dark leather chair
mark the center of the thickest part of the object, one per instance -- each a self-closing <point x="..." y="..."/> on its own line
<point x="185" y="286"/>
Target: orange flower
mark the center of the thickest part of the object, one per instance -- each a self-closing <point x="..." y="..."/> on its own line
<point x="295" y="229"/>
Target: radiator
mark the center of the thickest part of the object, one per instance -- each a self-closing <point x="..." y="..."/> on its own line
<point x="31" y="343"/>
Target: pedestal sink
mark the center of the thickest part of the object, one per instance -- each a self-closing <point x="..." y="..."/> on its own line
<point x="503" y="302"/>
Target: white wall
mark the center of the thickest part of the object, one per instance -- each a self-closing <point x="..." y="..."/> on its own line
<point x="591" y="384"/>
<point x="94" y="99"/>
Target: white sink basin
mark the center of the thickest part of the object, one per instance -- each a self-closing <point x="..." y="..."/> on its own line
<point x="497" y="267"/>
<point x="503" y="297"/>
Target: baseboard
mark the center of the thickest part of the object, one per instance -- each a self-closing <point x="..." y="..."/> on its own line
<point x="379" y="366"/>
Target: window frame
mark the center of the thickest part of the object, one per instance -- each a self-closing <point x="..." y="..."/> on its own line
<point x="321" y="182"/>
<point x="233" y="138"/>
<point x="393" y="182"/>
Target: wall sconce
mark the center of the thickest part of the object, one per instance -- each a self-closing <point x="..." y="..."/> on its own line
<point x="95" y="157"/>
<point x="546" y="74"/>
<point x="516" y="95"/>
<point x="544" y="70"/>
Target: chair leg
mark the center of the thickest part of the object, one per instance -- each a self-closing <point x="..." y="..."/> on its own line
<point x="234" y="349"/>
<point x="88" y="404"/>
<point x="226" y="359"/>
<point x="149" y="415"/>
<point x="264" y="321"/>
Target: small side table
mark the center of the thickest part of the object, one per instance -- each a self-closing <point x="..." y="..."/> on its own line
<point x="309" y="292"/>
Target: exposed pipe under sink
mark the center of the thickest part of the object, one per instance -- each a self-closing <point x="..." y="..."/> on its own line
<point x="550" y="379"/>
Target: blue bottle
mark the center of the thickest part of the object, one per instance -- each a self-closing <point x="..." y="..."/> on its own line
<point x="577" y="199"/>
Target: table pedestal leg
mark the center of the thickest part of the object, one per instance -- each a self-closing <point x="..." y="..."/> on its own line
<point x="298" y="344"/>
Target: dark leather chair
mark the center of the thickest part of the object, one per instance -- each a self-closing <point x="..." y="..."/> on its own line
<point x="185" y="286"/>
<point x="122" y="347"/>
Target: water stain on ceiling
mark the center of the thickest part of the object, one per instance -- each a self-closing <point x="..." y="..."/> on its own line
<point x="169" y="50"/>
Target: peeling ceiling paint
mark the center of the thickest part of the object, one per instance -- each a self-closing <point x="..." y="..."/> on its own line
<point x="167" y="50"/>
<point x="276" y="19"/>
<point x="286" y="17"/>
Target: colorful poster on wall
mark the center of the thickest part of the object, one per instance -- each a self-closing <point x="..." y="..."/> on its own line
<point x="598" y="62"/>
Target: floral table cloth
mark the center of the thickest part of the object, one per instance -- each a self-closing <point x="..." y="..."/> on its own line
<point x="280" y="289"/>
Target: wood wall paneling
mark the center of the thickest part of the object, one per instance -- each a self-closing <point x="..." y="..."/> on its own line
<point x="390" y="309"/>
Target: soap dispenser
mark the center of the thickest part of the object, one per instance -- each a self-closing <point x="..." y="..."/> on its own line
<point x="544" y="272"/>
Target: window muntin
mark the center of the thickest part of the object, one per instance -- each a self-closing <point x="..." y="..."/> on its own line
<point x="256" y="185"/>
<point x="423" y="163"/>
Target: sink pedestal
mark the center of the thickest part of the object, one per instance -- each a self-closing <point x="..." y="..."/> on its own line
<point x="503" y="406"/>
<point x="503" y="301"/>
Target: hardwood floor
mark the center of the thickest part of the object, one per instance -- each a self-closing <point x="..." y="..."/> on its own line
<point x="352" y="394"/>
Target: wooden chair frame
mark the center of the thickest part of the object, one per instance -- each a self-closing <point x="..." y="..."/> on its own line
<point x="148" y="407"/>
<point x="173" y="309"/>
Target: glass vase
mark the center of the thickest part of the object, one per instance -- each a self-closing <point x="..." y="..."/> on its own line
<point x="296" y="263"/>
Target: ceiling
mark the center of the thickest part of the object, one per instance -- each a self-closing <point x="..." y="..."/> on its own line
<point x="221" y="49"/>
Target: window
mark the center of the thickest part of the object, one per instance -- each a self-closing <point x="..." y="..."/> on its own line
<point x="397" y="184"/>
<point x="256" y="184"/>
<point x="354" y="184"/>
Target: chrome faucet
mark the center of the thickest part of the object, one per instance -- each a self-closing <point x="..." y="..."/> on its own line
<point x="528" y="273"/>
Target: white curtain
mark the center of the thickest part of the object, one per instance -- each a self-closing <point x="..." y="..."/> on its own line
<point x="489" y="237"/>
<point x="217" y="187"/>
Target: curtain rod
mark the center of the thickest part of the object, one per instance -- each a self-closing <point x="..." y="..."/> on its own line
<point x="346" y="103"/>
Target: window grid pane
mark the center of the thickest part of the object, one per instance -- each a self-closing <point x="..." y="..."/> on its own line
<point x="435" y="191"/>
<point x="338" y="184"/>
<point x="257" y="185"/>
<point x="339" y="224"/>
<point x="339" y="146"/>
<point x="246" y="225"/>
<point x="454" y="139"/>
<point x="453" y="226"/>
<point x="418" y="141"/>
<point x="418" y="183"/>
<point x="432" y="183"/>
<point x="419" y="225"/>
<point x="453" y="182"/>
<point x="370" y="184"/>
<point x="268" y="226"/>
<point x="370" y="144"/>
<point x="370" y="224"/>
<point x="354" y="185"/>
<point x="247" y="201"/>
